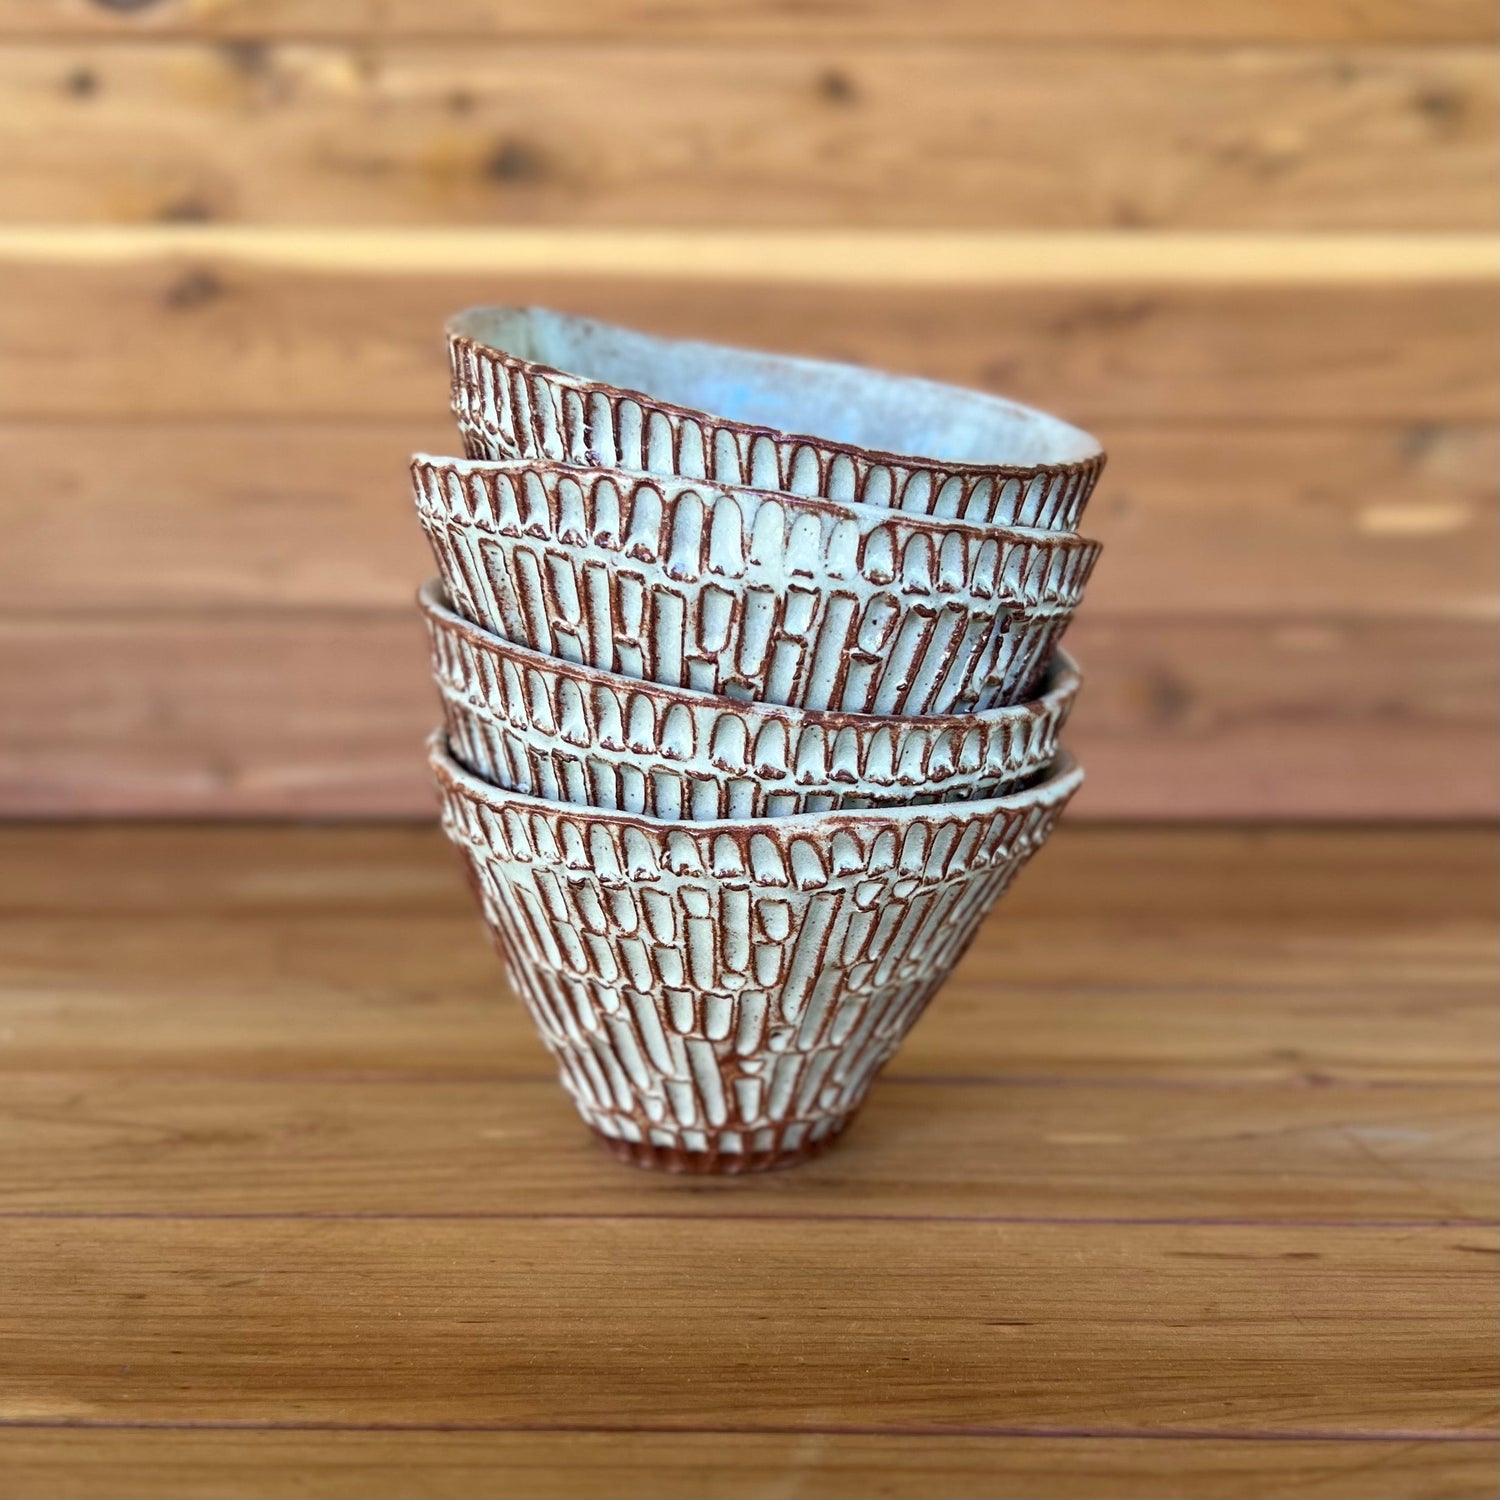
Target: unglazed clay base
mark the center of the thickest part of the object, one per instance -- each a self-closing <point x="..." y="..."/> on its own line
<point x="674" y="1159"/>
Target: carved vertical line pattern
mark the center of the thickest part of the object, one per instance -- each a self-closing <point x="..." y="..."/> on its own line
<point x="1052" y="496"/>
<point x="721" y="995"/>
<point x="526" y="581"/>
<point x="656" y="1052"/>
<point x="499" y="732"/>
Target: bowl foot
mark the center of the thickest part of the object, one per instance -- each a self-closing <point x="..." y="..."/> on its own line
<point x="677" y="1159"/>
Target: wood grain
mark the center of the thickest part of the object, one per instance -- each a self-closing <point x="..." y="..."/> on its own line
<point x="1246" y="513"/>
<point x="1263" y="1329"/>
<point x="344" y="999"/>
<point x="1294" y="879"/>
<point x="1396" y="138"/>
<point x="736" y="20"/>
<point x="294" y="714"/>
<point x="1186" y="1185"/>
<point x="312" y="713"/>
<point x="1190" y="717"/>
<point x="1348" y="520"/>
<point x="1308" y="958"/>
<point x="85" y="1144"/>
<point x="279" y="1234"/>
<point x="220" y="337"/>
<point x="83" y="1464"/>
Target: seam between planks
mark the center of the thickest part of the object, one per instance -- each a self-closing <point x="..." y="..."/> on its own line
<point x="1471" y="1080"/>
<point x="972" y="1431"/>
<point x="483" y="1216"/>
<point x="147" y="32"/>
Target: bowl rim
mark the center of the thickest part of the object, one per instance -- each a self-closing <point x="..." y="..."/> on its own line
<point x="1091" y="463"/>
<point x="1059" y="687"/>
<point x="1057" y="784"/>
<point x="881" y="515"/>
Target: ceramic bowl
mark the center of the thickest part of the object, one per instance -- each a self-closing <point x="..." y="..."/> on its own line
<point x="720" y="995"/>
<point x="757" y="596"/>
<point x="529" y="383"/>
<point x="571" y="733"/>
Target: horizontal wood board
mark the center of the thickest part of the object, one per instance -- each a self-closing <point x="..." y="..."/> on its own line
<point x="233" y="1463"/>
<point x="733" y="20"/>
<point x="1090" y="1236"/>
<point x="187" y="335"/>
<point x="757" y="134"/>
<point x="299" y="713"/>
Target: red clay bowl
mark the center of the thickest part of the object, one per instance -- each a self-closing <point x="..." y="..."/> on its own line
<point x="529" y="383"/>
<point x="719" y="996"/>
<point x="757" y="596"/>
<point x="570" y="733"/>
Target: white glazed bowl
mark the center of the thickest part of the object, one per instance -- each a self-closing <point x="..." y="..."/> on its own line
<point x="719" y="996"/>
<point x="571" y="733"/>
<point x="757" y="596"/>
<point x="529" y="383"/>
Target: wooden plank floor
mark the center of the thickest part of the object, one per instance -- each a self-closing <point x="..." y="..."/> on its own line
<point x="1186" y="1187"/>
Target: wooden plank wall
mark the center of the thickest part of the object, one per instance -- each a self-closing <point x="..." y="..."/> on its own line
<point x="1248" y="242"/>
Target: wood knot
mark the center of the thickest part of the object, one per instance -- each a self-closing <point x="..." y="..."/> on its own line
<point x="1443" y="106"/>
<point x="188" y="209"/>
<point x="1163" y="699"/>
<point x="246" y="56"/>
<point x="193" y="289"/>
<point x="514" y="160"/>
<point x="836" y="86"/>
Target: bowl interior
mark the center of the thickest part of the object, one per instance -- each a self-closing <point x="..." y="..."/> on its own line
<point x="841" y="403"/>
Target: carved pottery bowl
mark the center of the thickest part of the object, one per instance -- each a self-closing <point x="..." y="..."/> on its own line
<point x="571" y="733"/>
<point x="529" y="383"/>
<point x="720" y="995"/>
<point x="757" y="596"/>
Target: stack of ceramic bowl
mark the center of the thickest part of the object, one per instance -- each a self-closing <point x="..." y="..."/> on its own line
<point x="745" y="731"/>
